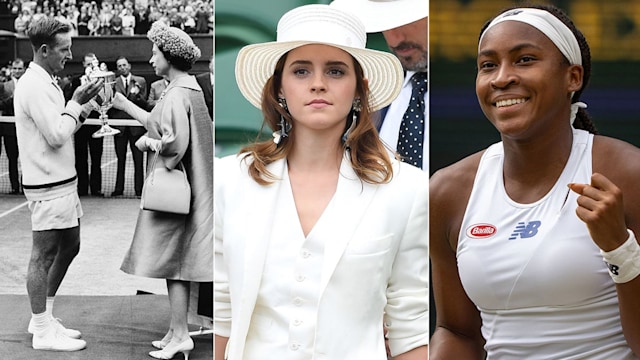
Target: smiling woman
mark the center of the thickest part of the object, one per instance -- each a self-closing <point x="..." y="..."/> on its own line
<point x="512" y="79"/>
<point x="519" y="231"/>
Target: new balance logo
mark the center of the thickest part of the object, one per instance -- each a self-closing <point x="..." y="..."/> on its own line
<point x="525" y="230"/>
<point x="512" y="13"/>
<point x="613" y="268"/>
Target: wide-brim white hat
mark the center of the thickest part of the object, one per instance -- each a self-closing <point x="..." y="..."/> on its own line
<point x="382" y="15"/>
<point x="319" y="24"/>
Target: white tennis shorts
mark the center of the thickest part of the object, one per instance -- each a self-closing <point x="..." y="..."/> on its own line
<point x="58" y="213"/>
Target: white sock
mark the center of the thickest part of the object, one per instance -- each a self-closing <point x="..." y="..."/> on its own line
<point x="40" y="322"/>
<point x="49" y="308"/>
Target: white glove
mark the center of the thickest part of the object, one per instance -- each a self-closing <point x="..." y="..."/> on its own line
<point x="146" y="143"/>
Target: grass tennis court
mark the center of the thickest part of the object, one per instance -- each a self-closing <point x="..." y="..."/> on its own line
<point x="106" y="230"/>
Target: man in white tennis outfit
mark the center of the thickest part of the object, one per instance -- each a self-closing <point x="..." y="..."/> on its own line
<point x="44" y="127"/>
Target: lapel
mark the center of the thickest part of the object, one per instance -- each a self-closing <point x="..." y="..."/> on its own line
<point x="351" y="200"/>
<point x="120" y="85"/>
<point x="160" y="87"/>
<point x="10" y="86"/>
<point x="379" y="118"/>
<point x="260" y="223"/>
<point x="347" y="208"/>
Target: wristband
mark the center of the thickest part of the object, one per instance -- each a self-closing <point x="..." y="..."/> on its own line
<point x="624" y="261"/>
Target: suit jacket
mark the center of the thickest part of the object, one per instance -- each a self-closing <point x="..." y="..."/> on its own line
<point x="155" y="90"/>
<point x="204" y="80"/>
<point x="6" y="108"/>
<point x="72" y="85"/>
<point x="139" y="99"/>
<point x="378" y="117"/>
<point x="375" y="260"/>
<point x="6" y="97"/>
<point x="3" y="99"/>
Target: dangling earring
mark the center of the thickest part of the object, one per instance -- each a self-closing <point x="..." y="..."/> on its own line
<point x="356" y="107"/>
<point x="284" y="126"/>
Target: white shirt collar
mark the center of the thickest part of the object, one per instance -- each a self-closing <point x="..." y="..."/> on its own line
<point x="41" y="71"/>
<point x="407" y="78"/>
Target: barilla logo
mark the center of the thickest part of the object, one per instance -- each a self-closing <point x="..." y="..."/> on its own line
<point x="481" y="231"/>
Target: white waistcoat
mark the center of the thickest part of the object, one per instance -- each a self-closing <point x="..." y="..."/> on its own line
<point x="289" y="292"/>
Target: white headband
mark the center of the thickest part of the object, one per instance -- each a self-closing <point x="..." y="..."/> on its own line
<point x="549" y="25"/>
<point x="561" y="36"/>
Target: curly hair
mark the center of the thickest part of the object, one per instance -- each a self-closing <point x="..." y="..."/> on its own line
<point x="369" y="156"/>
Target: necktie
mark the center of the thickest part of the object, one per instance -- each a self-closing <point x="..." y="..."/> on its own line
<point x="411" y="136"/>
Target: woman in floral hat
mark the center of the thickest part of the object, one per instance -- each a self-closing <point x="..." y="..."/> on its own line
<point x="174" y="247"/>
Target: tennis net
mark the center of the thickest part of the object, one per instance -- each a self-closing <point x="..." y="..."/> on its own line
<point x="108" y="165"/>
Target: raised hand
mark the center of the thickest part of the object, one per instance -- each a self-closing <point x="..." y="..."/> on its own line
<point x="601" y="207"/>
<point x="87" y="91"/>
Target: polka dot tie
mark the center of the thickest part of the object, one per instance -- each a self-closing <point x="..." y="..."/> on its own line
<point x="411" y="136"/>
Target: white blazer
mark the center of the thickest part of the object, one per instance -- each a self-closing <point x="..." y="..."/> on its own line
<point x="378" y="256"/>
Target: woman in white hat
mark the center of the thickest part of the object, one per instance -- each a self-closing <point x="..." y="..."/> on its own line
<point x="320" y="236"/>
<point x="170" y="246"/>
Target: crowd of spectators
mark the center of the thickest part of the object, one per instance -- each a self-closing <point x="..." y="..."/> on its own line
<point x="117" y="17"/>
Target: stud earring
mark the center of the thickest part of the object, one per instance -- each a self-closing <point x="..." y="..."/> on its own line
<point x="356" y="107"/>
<point x="284" y="126"/>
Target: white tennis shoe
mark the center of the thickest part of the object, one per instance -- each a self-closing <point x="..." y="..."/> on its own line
<point x="53" y="339"/>
<point x="71" y="333"/>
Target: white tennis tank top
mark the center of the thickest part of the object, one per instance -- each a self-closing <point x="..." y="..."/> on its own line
<point x="533" y="271"/>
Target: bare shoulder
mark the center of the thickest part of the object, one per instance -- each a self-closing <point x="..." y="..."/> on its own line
<point x="619" y="162"/>
<point x="449" y="192"/>
<point x="616" y="159"/>
<point x="454" y="180"/>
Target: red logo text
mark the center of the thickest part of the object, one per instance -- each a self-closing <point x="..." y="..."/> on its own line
<point x="481" y="231"/>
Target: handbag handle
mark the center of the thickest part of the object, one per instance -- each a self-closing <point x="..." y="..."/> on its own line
<point x="153" y="167"/>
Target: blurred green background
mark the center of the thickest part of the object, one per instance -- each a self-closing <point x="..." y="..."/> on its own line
<point x="239" y="23"/>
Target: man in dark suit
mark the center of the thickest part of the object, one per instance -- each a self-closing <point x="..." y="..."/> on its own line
<point x="135" y="89"/>
<point x="405" y="27"/>
<point x="155" y="92"/>
<point x="8" y="130"/>
<point x="205" y="80"/>
<point x="83" y="139"/>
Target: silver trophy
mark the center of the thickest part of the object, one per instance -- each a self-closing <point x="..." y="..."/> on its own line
<point x="107" y="94"/>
